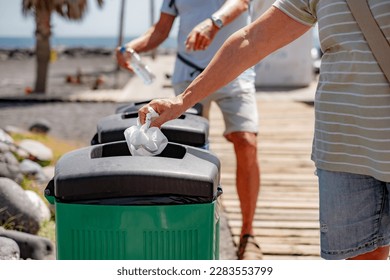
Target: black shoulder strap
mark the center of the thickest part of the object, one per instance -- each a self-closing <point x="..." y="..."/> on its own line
<point x="191" y="64"/>
<point x="172" y="3"/>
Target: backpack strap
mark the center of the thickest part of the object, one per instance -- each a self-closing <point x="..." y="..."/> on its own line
<point x="375" y="38"/>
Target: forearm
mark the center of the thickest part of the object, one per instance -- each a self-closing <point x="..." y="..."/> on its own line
<point x="242" y="50"/>
<point x="154" y="36"/>
<point x="148" y="41"/>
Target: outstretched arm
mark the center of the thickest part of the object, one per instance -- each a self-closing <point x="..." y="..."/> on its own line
<point x="273" y="30"/>
<point x="150" y="40"/>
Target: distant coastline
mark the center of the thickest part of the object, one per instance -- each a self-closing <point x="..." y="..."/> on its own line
<point x="73" y="42"/>
<point x="24" y="47"/>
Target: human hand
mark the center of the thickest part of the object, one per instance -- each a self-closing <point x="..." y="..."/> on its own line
<point x="168" y="109"/>
<point x="123" y="59"/>
<point x="201" y="36"/>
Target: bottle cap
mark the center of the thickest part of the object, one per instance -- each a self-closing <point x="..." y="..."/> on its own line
<point x="122" y="49"/>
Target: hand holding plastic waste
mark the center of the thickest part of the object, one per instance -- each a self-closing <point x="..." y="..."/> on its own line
<point x="144" y="140"/>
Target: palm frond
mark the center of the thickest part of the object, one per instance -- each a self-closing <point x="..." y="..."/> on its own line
<point x="70" y="9"/>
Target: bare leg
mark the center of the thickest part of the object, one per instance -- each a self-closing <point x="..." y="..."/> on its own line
<point x="247" y="176"/>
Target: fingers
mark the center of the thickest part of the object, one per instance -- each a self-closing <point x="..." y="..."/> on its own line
<point x="158" y="105"/>
<point x="197" y="42"/>
<point x="167" y="109"/>
<point x="123" y="59"/>
<point x="142" y="113"/>
<point x="200" y="37"/>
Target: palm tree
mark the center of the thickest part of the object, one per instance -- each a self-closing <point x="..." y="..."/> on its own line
<point x="42" y="10"/>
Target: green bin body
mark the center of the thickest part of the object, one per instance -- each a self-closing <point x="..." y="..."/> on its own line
<point x="113" y="206"/>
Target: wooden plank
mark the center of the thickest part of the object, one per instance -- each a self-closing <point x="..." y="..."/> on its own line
<point x="282" y="232"/>
<point x="274" y="204"/>
<point x="276" y="217"/>
<point x="286" y="219"/>
<point x="279" y="224"/>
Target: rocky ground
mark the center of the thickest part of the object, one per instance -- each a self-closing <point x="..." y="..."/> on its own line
<point x="71" y="121"/>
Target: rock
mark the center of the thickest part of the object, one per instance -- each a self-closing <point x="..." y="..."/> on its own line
<point x="15" y="129"/>
<point x="35" y="149"/>
<point x="10" y="167"/>
<point x="4" y="147"/>
<point x="9" y="249"/>
<point x="5" y="137"/>
<point x="33" y="169"/>
<point x="49" y="171"/>
<point x="16" y="210"/>
<point x="31" y="246"/>
<point x="42" y="211"/>
<point x="40" y="126"/>
<point x="30" y="168"/>
<point x="5" y="141"/>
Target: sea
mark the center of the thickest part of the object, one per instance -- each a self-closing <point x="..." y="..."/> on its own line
<point x="74" y="42"/>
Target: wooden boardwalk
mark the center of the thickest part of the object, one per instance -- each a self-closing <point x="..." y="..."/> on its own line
<point x="286" y="220"/>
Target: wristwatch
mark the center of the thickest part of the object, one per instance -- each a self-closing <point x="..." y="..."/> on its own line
<point x="217" y="21"/>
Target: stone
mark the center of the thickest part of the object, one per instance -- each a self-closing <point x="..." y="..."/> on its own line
<point x="6" y="141"/>
<point x="40" y="126"/>
<point x="9" y="249"/>
<point x="10" y="167"/>
<point x="16" y="210"/>
<point x="31" y="246"/>
<point x="29" y="167"/>
<point x="5" y="137"/>
<point x="33" y="170"/>
<point x="42" y="211"/>
<point x="49" y="171"/>
<point x="35" y="150"/>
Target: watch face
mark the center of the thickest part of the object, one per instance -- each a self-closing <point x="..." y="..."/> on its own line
<point x="217" y="21"/>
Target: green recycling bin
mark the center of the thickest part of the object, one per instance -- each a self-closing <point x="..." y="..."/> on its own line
<point x="110" y="205"/>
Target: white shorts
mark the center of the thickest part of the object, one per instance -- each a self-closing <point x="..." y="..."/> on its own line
<point x="237" y="102"/>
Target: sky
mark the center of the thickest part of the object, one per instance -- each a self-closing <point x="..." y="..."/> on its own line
<point x="95" y="23"/>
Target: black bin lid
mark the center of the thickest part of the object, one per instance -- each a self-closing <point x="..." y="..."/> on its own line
<point x="107" y="171"/>
<point x="188" y="129"/>
<point x="133" y="107"/>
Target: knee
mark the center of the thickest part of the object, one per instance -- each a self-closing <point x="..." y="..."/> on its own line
<point x="243" y="140"/>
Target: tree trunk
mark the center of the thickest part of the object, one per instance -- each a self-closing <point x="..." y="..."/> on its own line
<point x="42" y="49"/>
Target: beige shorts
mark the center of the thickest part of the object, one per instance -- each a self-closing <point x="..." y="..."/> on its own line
<point x="237" y="102"/>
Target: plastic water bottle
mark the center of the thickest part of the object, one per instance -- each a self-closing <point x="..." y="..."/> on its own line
<point x="140" y="69"/>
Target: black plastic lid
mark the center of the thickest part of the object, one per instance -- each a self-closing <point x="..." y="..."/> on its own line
<point x="108" y="171"/>
<point x="133" y="107"/>
<point x="188" y="129"/>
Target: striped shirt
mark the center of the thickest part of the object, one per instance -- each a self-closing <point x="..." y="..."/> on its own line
<point x="352" y="101"/>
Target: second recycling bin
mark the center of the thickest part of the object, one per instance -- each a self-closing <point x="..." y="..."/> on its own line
<point x="133" y="107"/>
<point x="111" y="205"/>
<point x="188" y="129"/>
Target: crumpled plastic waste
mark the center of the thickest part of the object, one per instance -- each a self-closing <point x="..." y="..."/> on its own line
<point x="144" y="140"/>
